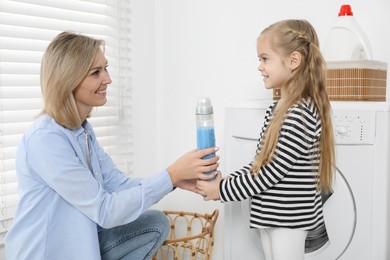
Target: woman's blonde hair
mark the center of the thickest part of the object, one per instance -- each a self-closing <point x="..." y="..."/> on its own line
<point x="65" y="64"/>
<point x="309" y="81"/>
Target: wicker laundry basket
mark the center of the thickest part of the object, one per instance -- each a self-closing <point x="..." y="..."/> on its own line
<point x="191" y="236"/>
<point x="361" y="80"/>
<point x="355" y="80"/>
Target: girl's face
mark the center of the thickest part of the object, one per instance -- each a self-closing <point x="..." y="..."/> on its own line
<point x="93" y="89"/>
<point x="275" y="69"/>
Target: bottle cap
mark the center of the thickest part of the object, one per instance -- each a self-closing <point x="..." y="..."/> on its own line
<point x="204" y="106"/>
<point x="345" y="10"/>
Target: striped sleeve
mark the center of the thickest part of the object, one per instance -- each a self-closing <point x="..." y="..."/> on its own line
<point x="298" y="134"/>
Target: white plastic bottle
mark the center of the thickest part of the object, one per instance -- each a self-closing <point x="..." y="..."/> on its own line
<point x="205" y="125"/>
<point x="346" y="40"/>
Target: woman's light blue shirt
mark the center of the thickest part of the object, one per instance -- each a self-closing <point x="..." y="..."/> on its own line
<point x="62" y="203"/>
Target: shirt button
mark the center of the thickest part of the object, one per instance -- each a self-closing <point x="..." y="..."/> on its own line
<point x="96" y="173"/>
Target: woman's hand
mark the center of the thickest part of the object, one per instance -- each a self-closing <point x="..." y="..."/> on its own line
<point x="191" y="166"/>
<point x="209" y="189"/>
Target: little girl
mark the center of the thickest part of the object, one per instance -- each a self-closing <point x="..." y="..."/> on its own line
<point x="294" y="160"/>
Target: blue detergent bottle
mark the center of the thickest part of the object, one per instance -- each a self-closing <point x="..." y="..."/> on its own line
<point x="205" y="126"/>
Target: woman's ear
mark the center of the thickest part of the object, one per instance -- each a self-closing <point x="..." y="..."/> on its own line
<point x="295" y="60"/>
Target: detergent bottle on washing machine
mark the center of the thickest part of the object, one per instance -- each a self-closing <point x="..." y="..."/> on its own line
<point x="346" y="40"/>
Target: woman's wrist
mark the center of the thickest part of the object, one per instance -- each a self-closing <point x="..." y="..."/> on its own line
<point x="172" y="175"/>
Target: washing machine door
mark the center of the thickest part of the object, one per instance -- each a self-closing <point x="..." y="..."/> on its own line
<point x="340" y="222"/>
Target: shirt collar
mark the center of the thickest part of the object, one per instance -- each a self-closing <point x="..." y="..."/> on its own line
<point x="85" y="126"/>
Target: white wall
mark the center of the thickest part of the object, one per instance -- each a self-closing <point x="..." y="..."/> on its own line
<point x="185" y="49"/>
<point x="144" y="86"/>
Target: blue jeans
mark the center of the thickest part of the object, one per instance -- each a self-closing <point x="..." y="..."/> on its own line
<point x="138" y="240"/>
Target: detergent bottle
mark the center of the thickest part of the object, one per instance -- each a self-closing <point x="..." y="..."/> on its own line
<point x="205" y="125"/>
<point x="346" y="40"/>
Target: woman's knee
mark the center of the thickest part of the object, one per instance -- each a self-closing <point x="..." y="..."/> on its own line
<point x="157" y="219"/>
<point x="137" y="239"/>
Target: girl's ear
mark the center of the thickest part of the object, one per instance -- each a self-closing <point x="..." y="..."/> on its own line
<point x="295" y="60"/>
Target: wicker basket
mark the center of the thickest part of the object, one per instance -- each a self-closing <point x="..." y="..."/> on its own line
<point x="358" y="80"/>
<point x="362" y="80"/>
<point x="191" y="236"/>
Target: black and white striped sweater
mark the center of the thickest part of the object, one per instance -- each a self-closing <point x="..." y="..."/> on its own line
<point x="284" y="193"/>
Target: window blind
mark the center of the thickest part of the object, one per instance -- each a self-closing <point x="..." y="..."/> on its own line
<point x="26" y="29"/>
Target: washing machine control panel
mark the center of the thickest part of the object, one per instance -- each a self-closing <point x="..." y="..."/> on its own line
<point x="354" y="127"/>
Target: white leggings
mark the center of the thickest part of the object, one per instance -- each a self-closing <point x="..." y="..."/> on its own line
<point x="283" y="243"/>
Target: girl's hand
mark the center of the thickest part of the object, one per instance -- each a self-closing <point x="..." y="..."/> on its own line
<point x="209" y="189"/>
<point x="190" y="185"/>
<point x="191" y="166"/>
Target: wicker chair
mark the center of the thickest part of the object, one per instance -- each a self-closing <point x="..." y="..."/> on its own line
<point x="191" y="236"/>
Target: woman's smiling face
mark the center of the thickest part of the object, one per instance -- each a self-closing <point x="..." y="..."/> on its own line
<point x="93" y="89"/>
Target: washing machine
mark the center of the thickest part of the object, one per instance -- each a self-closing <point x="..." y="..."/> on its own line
<point x="356" y="215"/>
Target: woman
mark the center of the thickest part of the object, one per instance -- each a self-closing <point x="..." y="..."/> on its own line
<point x="74" y="202"/>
